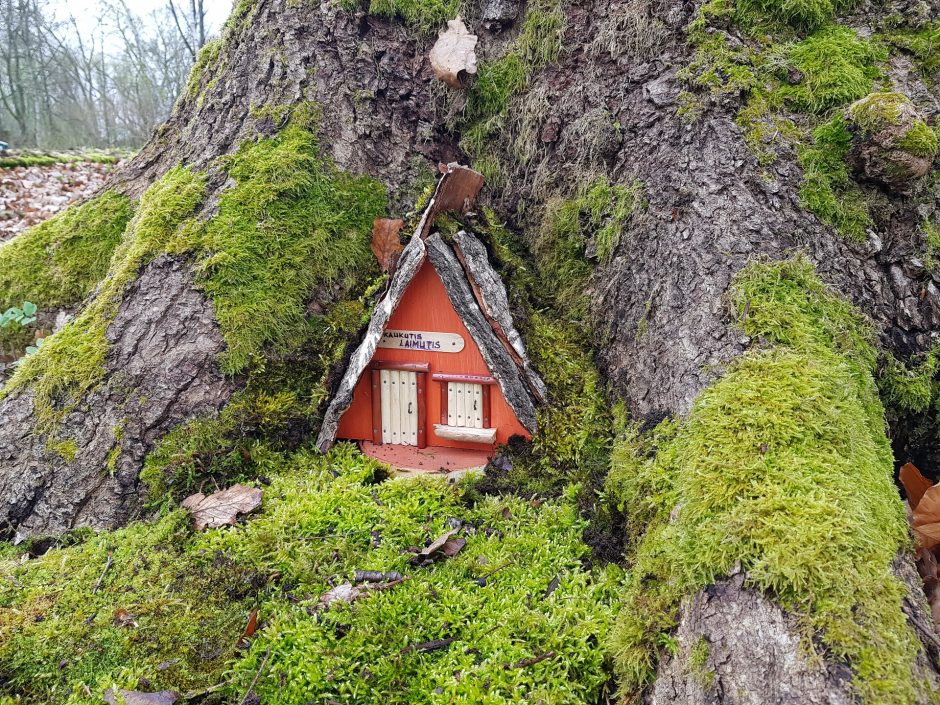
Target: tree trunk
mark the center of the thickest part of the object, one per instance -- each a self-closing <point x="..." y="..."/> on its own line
<point x="609" y="107"/>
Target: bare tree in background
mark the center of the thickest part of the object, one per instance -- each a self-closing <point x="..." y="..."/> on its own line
<point x="191" y="24"/>
<point x="63" y="85"/>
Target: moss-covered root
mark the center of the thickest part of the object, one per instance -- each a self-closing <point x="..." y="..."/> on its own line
<point x="59" y="261"/>
<point x="782" y="466"/>
<point x="71" y="362"/>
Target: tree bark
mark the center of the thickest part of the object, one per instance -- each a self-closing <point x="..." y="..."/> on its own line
<point x="661" y="329"/>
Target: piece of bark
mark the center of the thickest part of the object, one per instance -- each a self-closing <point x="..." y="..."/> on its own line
<point x="223" y="507"/>
<point x="495" y="354"/>
<point x="453" y="56"/>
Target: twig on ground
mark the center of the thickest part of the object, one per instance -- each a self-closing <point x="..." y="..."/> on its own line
<point x="103" y="573"/>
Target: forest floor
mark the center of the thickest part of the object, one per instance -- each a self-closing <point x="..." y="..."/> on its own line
<point x="32" y="193"/>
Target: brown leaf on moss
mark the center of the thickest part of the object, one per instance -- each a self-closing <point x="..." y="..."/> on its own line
<point x="926" y="518"/>
<point x="250" y="629"/>
<point x="914" y="483"/>
<point x="223" y="507"/>
<point x="385" y="244"/>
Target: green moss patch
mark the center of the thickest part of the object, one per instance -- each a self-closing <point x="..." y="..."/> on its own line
<point x="58" y="262"/>
<point x="488" y="100"/>
<point x="923" y="43"/>
<point x="189" y="596"/>
<point x="291" y="223"/>
<point x="838" y="67"/>
<point x="426" y="16"/>
<point x="71" y="362"/>
<point x="879" y="111"/>
<point x="790" y="87"/>
<point x="782" y="466"/>
<point x="599" y="210"/>
<point x="827" y="189"/>
<point x="53" y="158"/>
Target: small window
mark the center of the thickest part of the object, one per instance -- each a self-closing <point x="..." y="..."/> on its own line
<point x="465" y="405"/>
<point x="465" y="408"/>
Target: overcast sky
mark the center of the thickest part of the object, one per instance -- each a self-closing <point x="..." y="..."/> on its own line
<point x="86" y="12"/>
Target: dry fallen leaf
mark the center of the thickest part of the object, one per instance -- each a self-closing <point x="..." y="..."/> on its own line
<point x="345" y="592"/>
<point x="444" y="545"/>
<point x="914" y="483"/>
<point x="221" y="508"/>
<point x="250" y="629"/>
<point x="385" y="244"/>
<point x="135" y="697"/>
<point x="123" y="618"/>
<point x="926" y="518"/>
<point x="453" y="55"/>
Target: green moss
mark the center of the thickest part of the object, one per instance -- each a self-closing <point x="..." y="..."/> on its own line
<point x="600" y="210"/>
<point x="782" y="467"/>
<point x="879" y="111"/>
<point x="838" y="67"/>
<point x="913" y="388"/>
<point x="71" y="362"/>
<point x="291" y="223"/>
<point x="207" y="57"/>
<point x="427" y="16"/>
<point x="498" y="81"/>
<point x="827" y="189"/>
<point x="58" y="262"/>
<point x="716" y="65"/>
<point x="50" y="159"/>
<point x="67" y="449"/>
<point x="932" y="245"/>
<point x="190" y="595"/>
<point x="923" y="43"/>
<point x="920" y="140"/>
<point x="698" y="662"/>
<point x="803" y="14"/>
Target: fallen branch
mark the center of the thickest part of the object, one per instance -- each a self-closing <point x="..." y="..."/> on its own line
<point x="103" y="573"/>
<point x="526" y="662"/>
<point x="254" y="682"/>
<point x="430" y="645"/>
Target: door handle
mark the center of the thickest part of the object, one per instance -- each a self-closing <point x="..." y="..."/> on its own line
<point x="409" y="407"/>
<point x="474" y="404"/>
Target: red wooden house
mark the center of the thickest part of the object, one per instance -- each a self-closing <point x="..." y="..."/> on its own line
<point x="441" y="363"/>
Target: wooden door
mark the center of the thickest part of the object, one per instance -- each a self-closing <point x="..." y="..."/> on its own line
<point x="399" y="390"/>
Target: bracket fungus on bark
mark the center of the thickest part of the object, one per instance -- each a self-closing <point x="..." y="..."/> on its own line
<point x="453" y="55"/>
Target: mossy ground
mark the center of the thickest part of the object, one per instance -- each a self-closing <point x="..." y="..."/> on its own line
<point x="52" y="158"/>
<point x="323" y="517"/>
<point x="71" y="362"/>
<point x="782" y="466"/>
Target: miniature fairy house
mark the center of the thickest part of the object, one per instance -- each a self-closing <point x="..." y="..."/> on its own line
<point x="441" y="363"/>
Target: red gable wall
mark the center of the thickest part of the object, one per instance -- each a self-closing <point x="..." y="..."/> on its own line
<point x="426" y="307"/>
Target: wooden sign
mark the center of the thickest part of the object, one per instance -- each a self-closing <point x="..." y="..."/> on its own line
<point x="422" y="341"/>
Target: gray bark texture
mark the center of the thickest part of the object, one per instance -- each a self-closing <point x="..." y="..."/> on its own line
<point x="661" y="328"/>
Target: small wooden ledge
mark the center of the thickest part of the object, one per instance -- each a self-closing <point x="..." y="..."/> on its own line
<point x="464" y="434"/>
